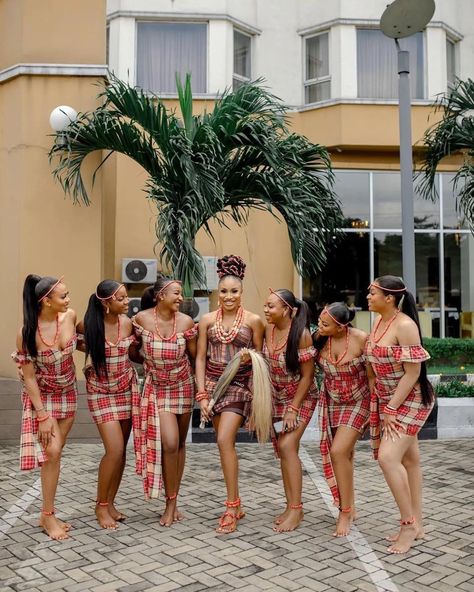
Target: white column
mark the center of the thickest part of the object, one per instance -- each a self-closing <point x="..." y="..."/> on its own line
<point x="122" y="48"/>
<point x="435" y="62"/>
<point x="343" y="61"/>
<point x="220" y="55"/>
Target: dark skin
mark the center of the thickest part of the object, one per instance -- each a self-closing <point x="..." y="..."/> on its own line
<point x="173" y="428"/>
<point x="114" y="434"/>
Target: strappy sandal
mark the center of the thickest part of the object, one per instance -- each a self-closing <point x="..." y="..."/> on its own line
<point x="228" y="520"/>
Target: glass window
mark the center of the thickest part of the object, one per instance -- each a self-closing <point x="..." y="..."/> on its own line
<point x="317" y="80"/>
<point x="242" y="58"/>
<point x="352" y="188"/>
<point x="464" y="265"/>
<point x="167" y="49"/>
<point x="377" y="72"/>
<point x="428" y="282"/>
<point x="451" y="217"/>
<point x="387" y="200"/>
<point x="452" y="282"/>
<point x="450" y="63"/>
<point x="387" y="254"/>
<point x="426" y="211"/>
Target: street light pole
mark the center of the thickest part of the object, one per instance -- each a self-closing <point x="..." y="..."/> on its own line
<point x="406" y="170"/>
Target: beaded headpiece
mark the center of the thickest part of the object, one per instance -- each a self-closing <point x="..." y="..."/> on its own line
<point x="375" y="285"/>
<point x="111" y="296"/>
<point x="272" y="291"/>
<point x="51" y="289"/>
<point x="166" y="284"/>
<point x="328" y="312"/>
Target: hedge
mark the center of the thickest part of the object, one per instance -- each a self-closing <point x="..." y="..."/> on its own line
<point x="450" y="351"/>
<point x="454" y="388"/>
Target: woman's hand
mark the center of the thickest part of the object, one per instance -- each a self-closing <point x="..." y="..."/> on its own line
<point x="45" y="432"/>
<point x="244" y="356"/>
<point x="206" y="413"/>
<point x="290" y="420"/>
<point x="391" y="427"/>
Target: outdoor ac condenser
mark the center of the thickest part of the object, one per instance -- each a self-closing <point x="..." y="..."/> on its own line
<point x="133" y="306"/>
<point x="139" y="271"/>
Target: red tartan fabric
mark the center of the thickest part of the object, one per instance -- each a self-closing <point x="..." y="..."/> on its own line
<point x="218" y="356"/>
<point x="110" y="397"/>
<point x="344" y="401"/>
<point x="56" y="378"/>
<point x="168" y="387"/>
<point x="285" y="385"/>
<point x="387" y="362"/>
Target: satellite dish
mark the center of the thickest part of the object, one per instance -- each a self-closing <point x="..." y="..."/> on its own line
<point x="403" y="18"/>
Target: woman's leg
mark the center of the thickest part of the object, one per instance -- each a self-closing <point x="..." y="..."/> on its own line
<point x="288" y="446"/>
<point x="391" y="454"/>
<point x="109" y="467"/>
<point x="342" y="455"/>
<point x="125" y="426"/>
<point x="183" y="426"/>
<point x="227" y="425"/>
<point x="170" y="454"/>
<point x="56" y="529"/>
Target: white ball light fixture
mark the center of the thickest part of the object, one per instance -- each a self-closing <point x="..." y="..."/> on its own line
<point x="61" y="117"/>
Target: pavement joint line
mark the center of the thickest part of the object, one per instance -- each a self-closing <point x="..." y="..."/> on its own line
<point x="16" y="511"/>
<point x="356" y="539"/>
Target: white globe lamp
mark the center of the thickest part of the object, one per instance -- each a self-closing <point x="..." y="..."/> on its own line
<point x="61" y="117"/>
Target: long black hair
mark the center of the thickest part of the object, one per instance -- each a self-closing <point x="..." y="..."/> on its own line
<point x="94" y="326"/>
<point x="405" y="301"/>
<point x="343" y="315"/>
<point x="148" y="299"/>
<point x="34" y="289"/>
<point x="299" y="323"/>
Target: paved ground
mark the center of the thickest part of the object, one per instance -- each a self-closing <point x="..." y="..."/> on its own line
<point x="191" y="557"/>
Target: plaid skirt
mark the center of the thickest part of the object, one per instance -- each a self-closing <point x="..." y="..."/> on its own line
<point x="239" y="390"/>
<point x="111" y="399"/>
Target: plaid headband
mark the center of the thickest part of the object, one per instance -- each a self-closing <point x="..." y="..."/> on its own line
<point x="51" y="289"/>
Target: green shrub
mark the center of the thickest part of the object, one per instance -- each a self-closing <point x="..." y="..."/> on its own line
<point x="454" y="388"/>
<point x="450" y="351"/>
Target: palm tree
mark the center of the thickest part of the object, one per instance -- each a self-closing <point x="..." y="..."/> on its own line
<point x="216" y="166"/>
<point x="454" y="134"/>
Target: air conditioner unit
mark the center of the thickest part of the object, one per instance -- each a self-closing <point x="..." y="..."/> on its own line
<point x="133" y="307"/>
<point x="139" y="271"/>
<point x="201" y="308"/>
<point x="212" y="279"/>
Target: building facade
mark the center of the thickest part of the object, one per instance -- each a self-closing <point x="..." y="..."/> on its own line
<point x="326" y="60"/>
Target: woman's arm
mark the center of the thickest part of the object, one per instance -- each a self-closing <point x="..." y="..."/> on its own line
<point x="81" y="342"/>
<point x="306" y="379"/>
<point x="200" y="367"/>
<point x="258" y="332"/>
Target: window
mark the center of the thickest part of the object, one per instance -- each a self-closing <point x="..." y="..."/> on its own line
<point x="242" y="59"/>
<point x="377" y="72"/>
<point x="317" y="83"/>
<point x="450" y="63"/>
<point x="167" y="49"/>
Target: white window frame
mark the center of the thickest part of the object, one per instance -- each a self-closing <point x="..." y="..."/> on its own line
<point x="454" y="43"/>
<point x="239" y="77"/>
<point x="314" y="81"/>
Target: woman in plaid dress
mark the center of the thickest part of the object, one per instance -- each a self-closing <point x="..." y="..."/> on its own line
<point x="401" y="400"/>
<point x="161" y="416"/>
<point x="290" y="354"/>
<point x="222" y="334"/>
<point x="106" y="335"/>
<point x="344" y="404"/>
<point x="45" y="346"/>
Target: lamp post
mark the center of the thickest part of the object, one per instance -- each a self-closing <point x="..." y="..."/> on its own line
<point x="401" y="19"/>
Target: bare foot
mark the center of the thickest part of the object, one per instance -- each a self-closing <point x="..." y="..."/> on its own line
<point x="420" y="534"/>
<point x="167" y="517"/>
<point x="343" y="525"/>
<point x="67" y="527"/>
<point x="282" y="517"/>
<point x="292" y="521"/>
<point x="116" y="515"/>
<point x="406" y="536"/>
<point x="53" y="528"/>
<point x="178" y="516"/>
<point x="104" y="518"/>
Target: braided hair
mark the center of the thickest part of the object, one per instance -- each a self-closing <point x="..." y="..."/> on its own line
<point x="231" y="265"/>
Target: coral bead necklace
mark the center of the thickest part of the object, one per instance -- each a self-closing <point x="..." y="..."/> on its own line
<point x="228" y="336"/>
<point x="157" y="331"/>
<point x="55" y="336"/>
<point x="118" y="335"/>
<point x="374" y="333"/>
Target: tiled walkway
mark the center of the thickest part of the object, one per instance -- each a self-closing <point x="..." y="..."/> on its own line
<point x="190" y="556"/>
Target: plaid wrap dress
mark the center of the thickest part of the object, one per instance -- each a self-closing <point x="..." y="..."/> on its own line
<point x="56" y="377"/>
<point x="218" y="356"/>
<point x="344" y="401"/>
<point x="109" y="397"/>
<point x="387" y="363"/>
<point x="168" y="387"/>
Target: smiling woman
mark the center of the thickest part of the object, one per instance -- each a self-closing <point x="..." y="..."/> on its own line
<point x="45" y="345"/>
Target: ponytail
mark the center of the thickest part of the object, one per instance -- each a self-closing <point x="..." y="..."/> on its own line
<point x="299" y="324"/>
<point x="94" y="335"/>
<point x="148" y="298"/>
<point x="31" y="309"/>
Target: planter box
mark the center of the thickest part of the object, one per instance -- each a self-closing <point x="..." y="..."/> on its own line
<point x="455" y="417"/>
